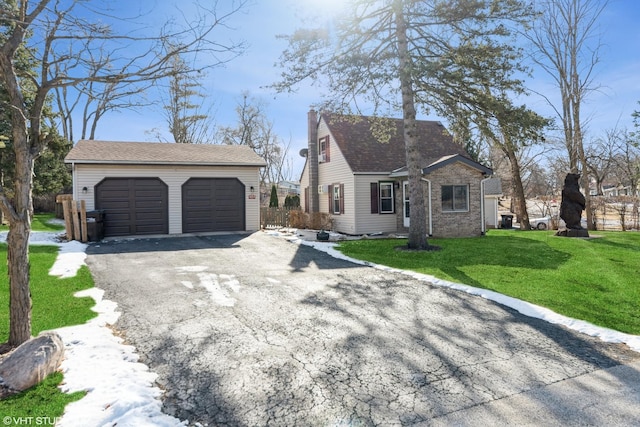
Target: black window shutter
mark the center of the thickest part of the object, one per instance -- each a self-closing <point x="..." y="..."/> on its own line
<point x="374" y="198"/>
<point x="341" y="198"/>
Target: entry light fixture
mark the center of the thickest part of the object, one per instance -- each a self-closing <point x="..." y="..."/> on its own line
<point x="84" y="190"/>
<point x="252" y="189"/>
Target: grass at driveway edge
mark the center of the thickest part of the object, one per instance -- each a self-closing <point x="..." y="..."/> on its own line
<point x="41" y="222"/>
<point x="589" y="279"/>
<point x="54" y="306"/>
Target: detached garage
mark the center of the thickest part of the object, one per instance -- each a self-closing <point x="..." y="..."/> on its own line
<point x="156" y="188"/>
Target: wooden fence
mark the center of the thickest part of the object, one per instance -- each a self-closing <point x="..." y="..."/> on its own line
<point x="276" y="217"/>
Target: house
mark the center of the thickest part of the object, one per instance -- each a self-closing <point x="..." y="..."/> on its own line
<point x="289" y="188"/>
<point x="157" y="188"/>
<point x="361" y="178"/>
<point x="618" y="190"/>
<point x="492" y="190"/>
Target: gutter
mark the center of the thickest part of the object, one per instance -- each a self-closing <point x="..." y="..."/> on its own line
<point x="160" y="163"/>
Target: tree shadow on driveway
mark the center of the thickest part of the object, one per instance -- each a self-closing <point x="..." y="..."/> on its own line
<point x="369" y="348"/>
<point x="166" y="243"/>
<point x="335" y="343"/>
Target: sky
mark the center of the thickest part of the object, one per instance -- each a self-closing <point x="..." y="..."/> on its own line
<point x="121" y="390"/>
<point x="262" y="20"/>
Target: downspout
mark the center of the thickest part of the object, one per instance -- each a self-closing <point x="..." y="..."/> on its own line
<point x="483" y="224"/>
<point x="430" y="213"/>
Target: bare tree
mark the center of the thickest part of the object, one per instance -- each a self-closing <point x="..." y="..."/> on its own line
<point x="96" y="96"/>
<point x="61" y="36"/>
<point x="189" y="120"/>
<point x="627" y="170"/>
<point x="568" y="49"/>
<point x="600" y="156"/>
<point x="393" y="56"/>
<point x="255" y="130"/>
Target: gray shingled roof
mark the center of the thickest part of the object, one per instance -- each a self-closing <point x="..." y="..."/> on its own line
<point x="493" y="187"/>
<point x="110" y="152"/>
<point x="365" y="153"/>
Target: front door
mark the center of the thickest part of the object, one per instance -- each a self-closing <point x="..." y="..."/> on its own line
<point x="405" y="204"/>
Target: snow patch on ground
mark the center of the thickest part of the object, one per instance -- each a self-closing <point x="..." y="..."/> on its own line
<point x="120" y="390"/>
<point x="218" y="286"/>
<point x="70" y="258"/>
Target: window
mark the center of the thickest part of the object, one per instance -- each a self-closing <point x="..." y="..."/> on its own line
<point x="382" y="197"/>
<point x="336" y="199"/>
<point x="386" y="197"/>
<point x="323" y="149"/>
<point x="455" y="198"/>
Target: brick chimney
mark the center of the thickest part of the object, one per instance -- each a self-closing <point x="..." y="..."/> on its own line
<point x="314" y="198"/>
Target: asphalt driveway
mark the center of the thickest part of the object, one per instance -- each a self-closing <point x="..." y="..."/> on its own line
<point x="253" y="330"/>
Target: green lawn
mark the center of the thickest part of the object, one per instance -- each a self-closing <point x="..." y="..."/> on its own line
<point x="594" y="280"/>
<point x="54" y="306"/>
<point x="41" y="222"/>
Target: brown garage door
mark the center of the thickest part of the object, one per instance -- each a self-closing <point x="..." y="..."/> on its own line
<point x="212" y="204"/>
<point x="133" y="206"/>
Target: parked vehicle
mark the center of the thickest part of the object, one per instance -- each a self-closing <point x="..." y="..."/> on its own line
<point x="547" y="223"/>
<point x="543" y="223"/>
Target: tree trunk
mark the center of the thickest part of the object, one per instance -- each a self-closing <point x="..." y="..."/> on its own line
<point x="418" y="218"/>
<point x="18" y="249"/>
<point x="518" y="189"/>
<point x="584" y="178"/>
<point x="20" y="295"/>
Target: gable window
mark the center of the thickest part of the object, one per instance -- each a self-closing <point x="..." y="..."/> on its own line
<point x="382" y="197"/>
<point x="323" y="149"/>
<point x="455" y="198"/>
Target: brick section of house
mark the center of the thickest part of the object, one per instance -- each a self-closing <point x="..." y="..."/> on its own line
<point x="449" y="224"/>
<point x="456" y="224"/>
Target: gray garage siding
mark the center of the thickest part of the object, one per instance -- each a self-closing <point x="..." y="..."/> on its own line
<point x="88" y="175"/>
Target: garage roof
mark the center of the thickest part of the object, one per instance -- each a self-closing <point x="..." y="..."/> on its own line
<point x="112" y="152"/>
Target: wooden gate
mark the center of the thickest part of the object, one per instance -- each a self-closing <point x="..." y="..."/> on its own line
<point x="276" y="217"/>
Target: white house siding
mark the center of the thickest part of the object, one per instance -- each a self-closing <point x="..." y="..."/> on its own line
<point x="357" y="217"/>
<point x="88" y="175"/>
<point x="491" y="211"/>
<point x="366" y="221"/>
<point x="337" y="171"/>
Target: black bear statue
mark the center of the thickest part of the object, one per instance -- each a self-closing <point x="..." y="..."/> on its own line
<point x="573" y="202"/>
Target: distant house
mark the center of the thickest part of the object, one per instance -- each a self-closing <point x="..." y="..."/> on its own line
<point x="154" y="188"/>
<point x="289" y="187"/>
<point x="362" y="181"/>
<point x="618" y="190"/>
